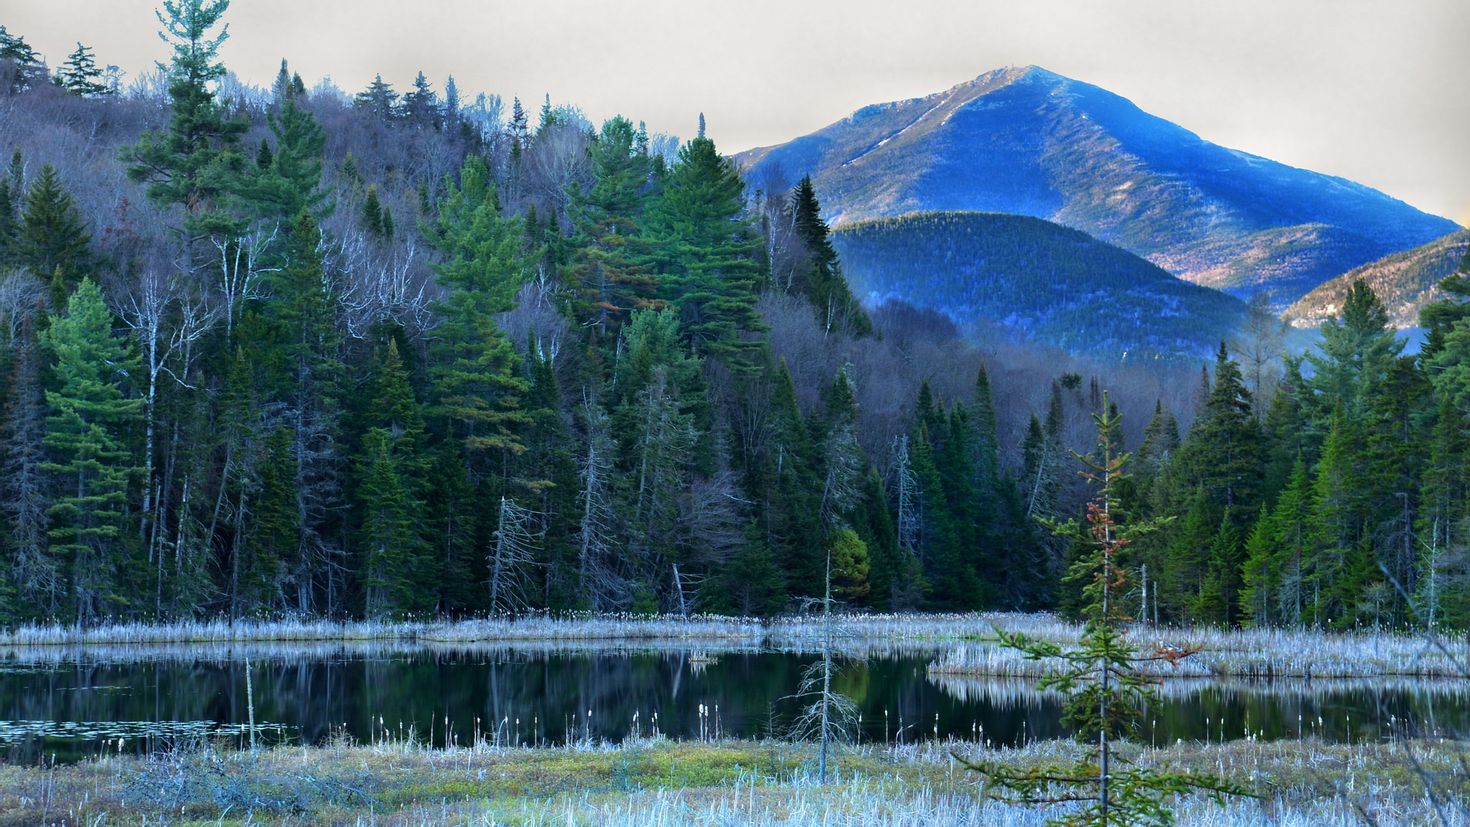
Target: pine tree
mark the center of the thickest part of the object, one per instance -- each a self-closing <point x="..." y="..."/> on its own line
<point x="9" y="225"/>
<point x="1160" y="441"/>
<point x="291" y="177"/>
<point x="608" y="266"/>
<point x="196" y="164"/>
<point x="306" y="378"/>
<point x="1225" y="451"/>
<point x="1334" y="523"/>
<point x="1442" y="596"/>
<point x="52" y="236"/>
<point x="372" y="214"/>
<point x="87" y="429"/>
<point x="80" y="75"/>
<point x="705" y="254"/>
<point x="26" y="70"/>
<point x="1357" y="350"/>
<point x="849" y="567"/>
<point x="789" y="485"/>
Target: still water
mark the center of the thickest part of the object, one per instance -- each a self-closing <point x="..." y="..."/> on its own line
<point x="70" y="705"/>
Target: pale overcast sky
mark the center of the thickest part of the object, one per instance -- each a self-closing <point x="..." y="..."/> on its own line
<point x="1373" y="90"/>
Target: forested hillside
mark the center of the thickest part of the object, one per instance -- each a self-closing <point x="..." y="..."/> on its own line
<point x="1035" y="279"/>
<point x="1405" y="282"/>
<point x="289" y="352"/>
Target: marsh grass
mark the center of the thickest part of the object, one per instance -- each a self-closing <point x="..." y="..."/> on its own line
<point x="960" y="643"/>
<point x="651" y="782"/>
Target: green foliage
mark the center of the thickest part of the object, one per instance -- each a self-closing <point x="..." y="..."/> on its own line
<point x="609" y="264"/>
<point x="80" y="75"/>
<point x="196" y="165"/>
<point x="1101" y="678"/>
<point x="90" y="421"/>
<point x="52" y="238"/>
<point x="704" y="252"/>
<point x="820" y="280"/>
<point x="477" y="385"/>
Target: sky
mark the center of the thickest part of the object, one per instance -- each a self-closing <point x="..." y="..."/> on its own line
<point x="1371" y="90"/>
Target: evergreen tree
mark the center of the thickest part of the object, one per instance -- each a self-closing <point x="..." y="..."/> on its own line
<point x="821" y="280"/>
<point x="477" y="383"/>
<point x="26" y="70"/>
<point x="306" y="379"/>
<point x="388" y="535"/>
<point x="849" y="567"/>
<point x="1101" y="678"/>
<point x="196" y="164"/>
<point x="87" y="429"/>
<point x="608" y="266"/>
<point x="52" y="237"/>
<point x="705" y="255"/>
<point x="420" y="108"/>
<point x="379" y="100"/>
<point x="1334" y="530"/>
<point x="80" y="75"/>
<point x="35" y="573"/>
<point x="292" y="174"/>
<point x="1357" y="350"/>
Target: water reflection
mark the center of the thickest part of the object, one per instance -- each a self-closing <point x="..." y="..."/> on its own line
<point x="126" y="699"/>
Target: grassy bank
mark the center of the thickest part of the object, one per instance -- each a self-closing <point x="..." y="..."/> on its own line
<point x="648" y="783"/>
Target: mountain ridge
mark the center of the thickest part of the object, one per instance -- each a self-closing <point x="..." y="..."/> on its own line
<point x="1028" y="141"/>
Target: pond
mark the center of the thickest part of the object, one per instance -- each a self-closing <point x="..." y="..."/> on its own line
<point x="69" y="704"/>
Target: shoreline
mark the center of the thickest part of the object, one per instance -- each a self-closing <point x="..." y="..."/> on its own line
<point x="961" y="644"/>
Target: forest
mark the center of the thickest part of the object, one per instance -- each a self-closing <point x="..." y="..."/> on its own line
<point x="291" y="352"/>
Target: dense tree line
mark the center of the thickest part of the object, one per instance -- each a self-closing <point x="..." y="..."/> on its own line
<point x="288" y="352"/>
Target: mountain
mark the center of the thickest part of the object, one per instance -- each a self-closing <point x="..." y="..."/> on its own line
<point x="1031" y="142"/>
<point x="1030" y="276"/>
<point x="1404" y="282"/>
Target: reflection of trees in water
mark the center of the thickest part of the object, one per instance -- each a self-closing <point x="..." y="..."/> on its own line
<point x="548" y="691"/>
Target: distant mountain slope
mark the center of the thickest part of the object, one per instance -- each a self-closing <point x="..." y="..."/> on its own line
<point x="1404" y="282"/>
<point x="1031" y="142"/>
<point x="1056" y="284"/>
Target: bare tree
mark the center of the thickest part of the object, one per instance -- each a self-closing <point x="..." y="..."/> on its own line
<point x="1258" y="345"/>
<point x="604" y="585"/>
<point x="513" y="553"/>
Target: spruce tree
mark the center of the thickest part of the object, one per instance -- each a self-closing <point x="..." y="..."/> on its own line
<point x="388" y="537"/>
<point x="36" y="574"/>
<point x="821" y="280"/>
<point x="378" y="99"/>
<point x="1101" y="677"/>
<point x="52" y="237"/>
<point x="420" y="107"/>
<point x="477" y="384"/>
